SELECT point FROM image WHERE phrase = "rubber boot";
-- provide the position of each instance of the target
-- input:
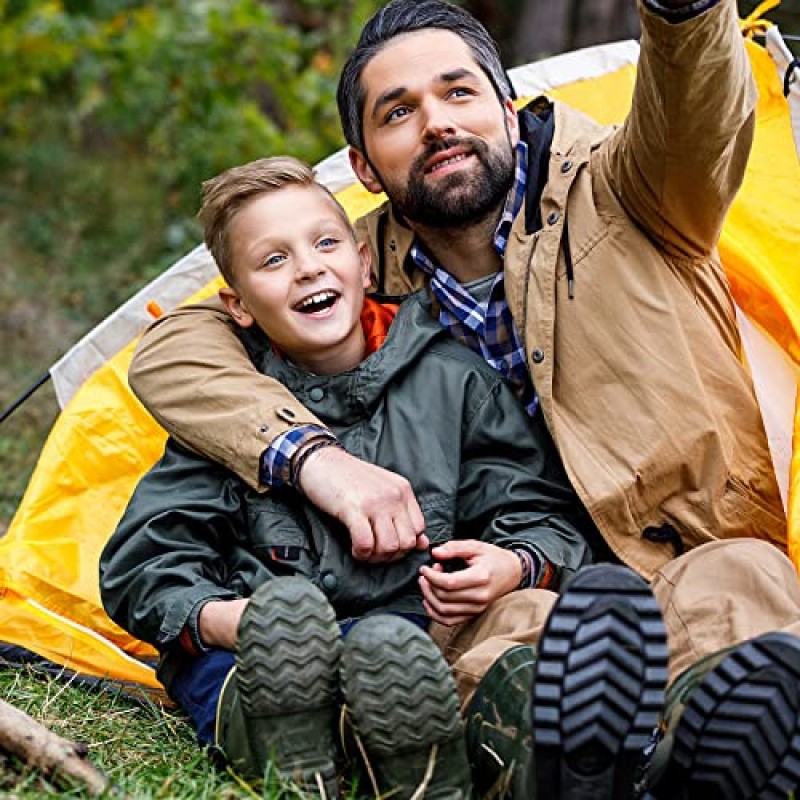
(280, 703)
(498, 728)
(732, 726)
(402, 704)
(598, 691)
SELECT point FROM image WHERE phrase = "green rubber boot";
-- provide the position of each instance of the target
(402, 703)
(498, 728)
(280, 704)
(732, 726)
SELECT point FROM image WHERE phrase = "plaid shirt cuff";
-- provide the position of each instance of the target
(679, 13)
(276, 460)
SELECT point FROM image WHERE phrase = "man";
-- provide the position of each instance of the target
(580, 262)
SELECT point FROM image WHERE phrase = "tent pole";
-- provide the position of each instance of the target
(24, 396)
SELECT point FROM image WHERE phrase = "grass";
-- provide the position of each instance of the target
(147, 751)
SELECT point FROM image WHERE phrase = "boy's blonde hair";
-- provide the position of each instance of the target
(226, 194)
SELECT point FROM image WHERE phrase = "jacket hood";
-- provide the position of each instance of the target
(349, 395)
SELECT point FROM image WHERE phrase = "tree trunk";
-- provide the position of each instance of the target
(40, 748)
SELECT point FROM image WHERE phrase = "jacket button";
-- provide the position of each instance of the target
(566, 167)
(553, 217)
(329, 581)
(316, 394)
(538, 356)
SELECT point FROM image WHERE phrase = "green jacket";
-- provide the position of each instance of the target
(422, 406)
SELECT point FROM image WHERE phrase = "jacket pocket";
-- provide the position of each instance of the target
(282, 541)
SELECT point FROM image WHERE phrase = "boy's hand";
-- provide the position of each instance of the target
(218, 622)
(454, 597)
(376, 506)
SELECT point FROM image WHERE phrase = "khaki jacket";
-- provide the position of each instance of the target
(639, 374)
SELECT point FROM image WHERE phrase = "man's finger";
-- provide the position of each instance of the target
(406, 533)
(362, 538)
(387, 545)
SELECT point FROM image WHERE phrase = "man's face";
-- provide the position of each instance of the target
(300, 276)
(437, 140)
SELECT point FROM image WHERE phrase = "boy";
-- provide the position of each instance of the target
(260, 676)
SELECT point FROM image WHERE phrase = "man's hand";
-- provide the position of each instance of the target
(454, 597)
(376, 506)
(218, 622)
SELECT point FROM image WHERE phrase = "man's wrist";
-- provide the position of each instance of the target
(679, 10)
(305, 452)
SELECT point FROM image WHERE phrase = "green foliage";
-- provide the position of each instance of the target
(191, 86)
(112, 113)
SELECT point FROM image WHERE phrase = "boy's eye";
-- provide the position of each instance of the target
(274, 260)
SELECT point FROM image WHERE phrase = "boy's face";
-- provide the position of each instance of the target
(300, 276)
(437, 139)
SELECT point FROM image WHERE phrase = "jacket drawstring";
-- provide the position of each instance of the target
(568, 260)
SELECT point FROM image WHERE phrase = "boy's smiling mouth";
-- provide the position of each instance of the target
(318, 302)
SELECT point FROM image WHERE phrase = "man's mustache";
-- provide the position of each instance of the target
(469, 143)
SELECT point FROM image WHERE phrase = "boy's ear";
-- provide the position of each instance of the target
(364, 172)
(236, 307)
(365, 254)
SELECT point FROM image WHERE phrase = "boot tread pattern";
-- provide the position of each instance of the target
(291, 662)
(398, 687)
(599, 686)
(739, 735)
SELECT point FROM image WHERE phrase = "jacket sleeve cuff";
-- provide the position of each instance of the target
(674, 12)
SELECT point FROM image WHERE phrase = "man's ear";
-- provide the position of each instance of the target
(364, 172)
(236, 307)
(512, 120)
(365, 254)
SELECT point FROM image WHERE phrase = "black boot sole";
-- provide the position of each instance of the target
(599, 686)
(739, 734)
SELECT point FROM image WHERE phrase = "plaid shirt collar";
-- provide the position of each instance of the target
(486, 326)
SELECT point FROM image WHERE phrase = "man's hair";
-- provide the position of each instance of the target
(226, 194)
(408, 16)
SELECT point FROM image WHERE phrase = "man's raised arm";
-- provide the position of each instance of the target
(192, 373)
(680, 157)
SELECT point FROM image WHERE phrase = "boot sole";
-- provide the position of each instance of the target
(599, 686)
(287, 669)
(739, 734)
(402, 701)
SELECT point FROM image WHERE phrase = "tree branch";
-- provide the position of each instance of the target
(38, 747)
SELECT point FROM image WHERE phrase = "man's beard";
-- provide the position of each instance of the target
(458, 199)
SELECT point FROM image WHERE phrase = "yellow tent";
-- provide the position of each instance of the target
(104, 441)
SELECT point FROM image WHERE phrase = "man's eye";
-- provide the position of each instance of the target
(397, 113)
(461, 91)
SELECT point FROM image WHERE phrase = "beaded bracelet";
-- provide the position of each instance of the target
(526, 562)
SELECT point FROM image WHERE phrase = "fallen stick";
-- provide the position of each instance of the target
(38, 747)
